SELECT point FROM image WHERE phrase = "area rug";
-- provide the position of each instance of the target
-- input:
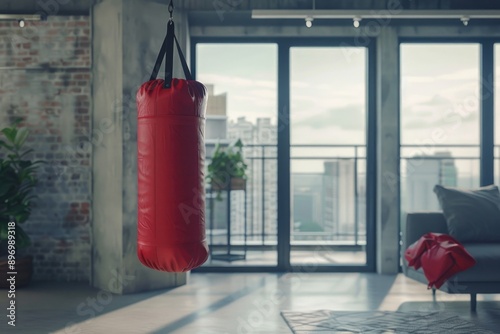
(379, 322)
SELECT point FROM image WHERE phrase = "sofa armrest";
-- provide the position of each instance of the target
(420, 223)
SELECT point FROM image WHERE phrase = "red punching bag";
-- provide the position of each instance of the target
(171, 156)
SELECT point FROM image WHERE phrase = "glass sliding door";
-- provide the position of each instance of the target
(327, 88)
(328, 126)
(242, 103)
(440, 114)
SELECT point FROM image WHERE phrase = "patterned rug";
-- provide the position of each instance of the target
(379, 322)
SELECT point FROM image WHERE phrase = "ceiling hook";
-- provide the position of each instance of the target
(171, 10)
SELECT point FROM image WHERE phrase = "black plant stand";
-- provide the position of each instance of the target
(229, 254)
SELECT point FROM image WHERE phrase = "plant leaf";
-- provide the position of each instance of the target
(26, 153)
(5, 187)
(10, 134)
(7, 146)
(21, 136)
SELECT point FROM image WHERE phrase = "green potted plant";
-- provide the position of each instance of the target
(227, 168)
(17, 181)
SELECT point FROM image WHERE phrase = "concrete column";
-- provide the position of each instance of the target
(127, 35)
(388, 211)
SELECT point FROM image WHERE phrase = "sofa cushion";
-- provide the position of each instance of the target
(471, 215)
(487, 268)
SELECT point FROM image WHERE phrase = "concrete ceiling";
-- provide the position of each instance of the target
(235, 5)
(49, 7)
(238, 12)
(65, 7)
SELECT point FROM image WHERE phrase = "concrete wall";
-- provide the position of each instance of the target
(107, 175)
(45, 79)
(388, 190)
(127, 37)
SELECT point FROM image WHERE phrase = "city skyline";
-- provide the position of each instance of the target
(318, 206)
(439, 94)
(439, 107)
(332, 195)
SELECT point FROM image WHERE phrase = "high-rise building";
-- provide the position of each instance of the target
(260, 152)
(423, 173)
(340, 206)
(216, 116)
(216, 132)
(307, 204)
(266, 171)
(420, 182)
(259, 140)
(448, 174)
(241, 129)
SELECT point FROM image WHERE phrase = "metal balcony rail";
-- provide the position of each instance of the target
(262, 187)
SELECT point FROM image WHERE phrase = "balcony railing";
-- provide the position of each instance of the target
(261, 206)
(454, 164)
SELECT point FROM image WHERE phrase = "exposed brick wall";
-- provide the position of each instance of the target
(45, 78)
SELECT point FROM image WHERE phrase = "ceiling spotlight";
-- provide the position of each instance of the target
(355, 22)
(21, 23)
(465, 20)
(309, 22)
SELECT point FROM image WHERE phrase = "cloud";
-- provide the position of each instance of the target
(349, 117)
(437, 111)
(416, 123)
(326, 135)
(451, 120)
(469, 74)
(436, 100)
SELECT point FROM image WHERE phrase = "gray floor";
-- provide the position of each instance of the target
(297, 257)
(227, 303)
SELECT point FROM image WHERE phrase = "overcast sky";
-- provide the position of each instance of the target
(439, 90)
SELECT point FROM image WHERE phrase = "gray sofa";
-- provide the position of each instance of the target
(484, 277)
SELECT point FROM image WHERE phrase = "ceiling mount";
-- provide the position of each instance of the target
(355, 21)
(20, 18)
(309, 21)
(357, 15)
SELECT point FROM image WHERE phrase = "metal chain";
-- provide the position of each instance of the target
(171, 9)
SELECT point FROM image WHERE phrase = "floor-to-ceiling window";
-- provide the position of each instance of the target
(324, 90)
(440, 120)
(242, 103)
(328, 122)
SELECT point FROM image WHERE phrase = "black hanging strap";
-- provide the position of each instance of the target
(167, 51)
(169, 54)
(185, 67)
